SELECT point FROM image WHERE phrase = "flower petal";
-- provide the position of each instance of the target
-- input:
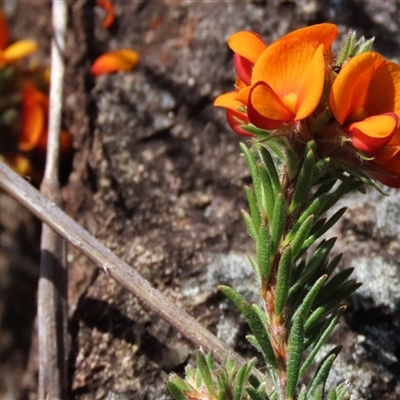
(228, 100)
(108, 7)
(295, 70)
(19, 50)
(118, 60)
(373, 133)
(321, 33)
(243, 68)
(349, 91)
(236, 119)
(247, 44)
(384, 90)
(265, 109)
(33, 113)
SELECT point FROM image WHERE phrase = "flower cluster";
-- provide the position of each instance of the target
(24, 107)
(296, 88)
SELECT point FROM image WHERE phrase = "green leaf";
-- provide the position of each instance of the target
(307, 303)
(323, 371)
(256, 325)
(316, 260)
(256, 269)
(292, 162)
(332, 395)
(250, 225)
(295, 349)
(256, 131)
(176, 390)
(210, 361)
(254, 212)
(328, 225)
(303, 393)
(343, 189)
(263, 250)
(333, 284)
(253, 172)
(314, 318)
(333, 264)
(278, 222)
(269, 164)
(256, 395)
(268, 194)
(300, 237)
(283, 280)
(205, 372)
(326, 331)
(241, 379)
(304, 178)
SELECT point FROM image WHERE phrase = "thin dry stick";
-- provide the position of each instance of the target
(52, 292)
(114, 266)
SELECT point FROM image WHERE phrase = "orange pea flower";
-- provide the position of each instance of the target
(365, 99)
(114, 61)
(15, 51)
(108, 7)
(34, 123)
(278, 84)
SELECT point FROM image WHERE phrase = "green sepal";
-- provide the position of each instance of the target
(263, 251)
(241, 379)
(256, 324)
(262, 133)
(323, 370)
(266, 158)
(205, 372)
(326, 331)
(300, 237)
(304, 178)
(295, 349)
(347, 48)
(308, 300)
(283, 280)
(177, 387)
(278, 223)
(333, 284)
(250, 225)
(254, 211)
(363, 45)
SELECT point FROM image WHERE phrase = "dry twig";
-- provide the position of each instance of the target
(52, 292)
(112, 265)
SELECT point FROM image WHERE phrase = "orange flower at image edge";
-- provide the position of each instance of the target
(15, 51)
(114, 61)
